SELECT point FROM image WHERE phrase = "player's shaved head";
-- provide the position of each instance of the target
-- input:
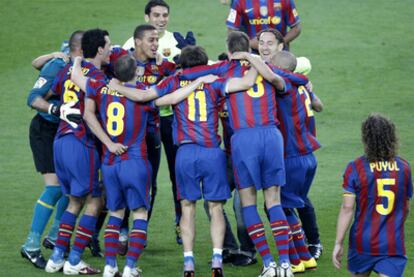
(192, 56)
(75, 41)
(238, 42)
(125, 68)
(285, 60)
(141, 29)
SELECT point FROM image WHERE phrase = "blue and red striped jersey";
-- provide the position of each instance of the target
(252, 16)
(195, 118)
(297, 121)
(116, 53)
(68, 91)
(382, 190)
(123, 120)
(149, 73)
(253, 108)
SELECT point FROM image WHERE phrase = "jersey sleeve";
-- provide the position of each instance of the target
(92, 88)
(167, 68)
(193, 73)
(410, 184)
(349, 180)
(219, 86)
(167, 85)
(295, 78)
(234, 19)
(291, 15)
(45, 80)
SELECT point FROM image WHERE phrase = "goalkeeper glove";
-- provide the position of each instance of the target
(65, 112)
(183, 42)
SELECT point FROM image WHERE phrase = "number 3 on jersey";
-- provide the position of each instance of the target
(385, 193)
(257, 90)
(71, 92)
(115, 123)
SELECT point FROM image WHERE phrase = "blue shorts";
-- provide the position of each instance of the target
(127, 184)
(257, 155)
(76, 166)
(300, 171)
(196, 164)
(392, 266)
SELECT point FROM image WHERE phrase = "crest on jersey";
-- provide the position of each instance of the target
(263, 11)
(40, 83)
(166, 52)
(154, 68)
(140, 70)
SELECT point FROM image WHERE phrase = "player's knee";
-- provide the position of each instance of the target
(140, 213)
(93, 206)
(215, 206)
(75, 204)
(118, 213)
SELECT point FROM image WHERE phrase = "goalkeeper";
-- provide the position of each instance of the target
(42, 132)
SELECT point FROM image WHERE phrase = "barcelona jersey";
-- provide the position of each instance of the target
(381, 189)
(123, 120)
(195, 118)
(297, 121)
(68, 91)
(253, 16)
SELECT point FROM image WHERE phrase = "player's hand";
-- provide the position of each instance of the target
(61, 55)
(207, 79)
(183, 42)
(309, 86)
(114, 84)
(240, 56)
(337, 255)
(158, 59)
(77, 61)
(65, 112)
(117, 148)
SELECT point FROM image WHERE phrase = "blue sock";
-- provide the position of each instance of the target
(280, 231)
(84, 232)
(67, 224)
(137, 241)
(42, 212)
(112, 239)
(255, 228)
(61, 206)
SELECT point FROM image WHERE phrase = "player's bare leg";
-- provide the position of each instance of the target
(366, 274)
(111, 242)
(187, 225)
(217, 231)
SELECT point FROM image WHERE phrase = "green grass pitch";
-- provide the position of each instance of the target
(362, 58)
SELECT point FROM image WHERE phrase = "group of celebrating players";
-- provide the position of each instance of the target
(107, 109)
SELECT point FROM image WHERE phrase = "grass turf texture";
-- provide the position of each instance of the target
(362, 62)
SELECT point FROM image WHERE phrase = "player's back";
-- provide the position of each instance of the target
(196, 117)
(381, 189)
(297, 121)
(123, 120)
(68, 91)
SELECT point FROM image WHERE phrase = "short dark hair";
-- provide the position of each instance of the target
(92, 40)
(140, 29)
(125, 68)
(285, 60)
(238, 42)
(75, 41)
(192, 56)
(379, 138)
(278, 35)
(154, 3)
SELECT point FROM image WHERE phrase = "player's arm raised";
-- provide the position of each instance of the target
(90, 118)
(134, 94)
(182, 93)
(40, 61)
(262, 68)
(344, 221)
(242, 84)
